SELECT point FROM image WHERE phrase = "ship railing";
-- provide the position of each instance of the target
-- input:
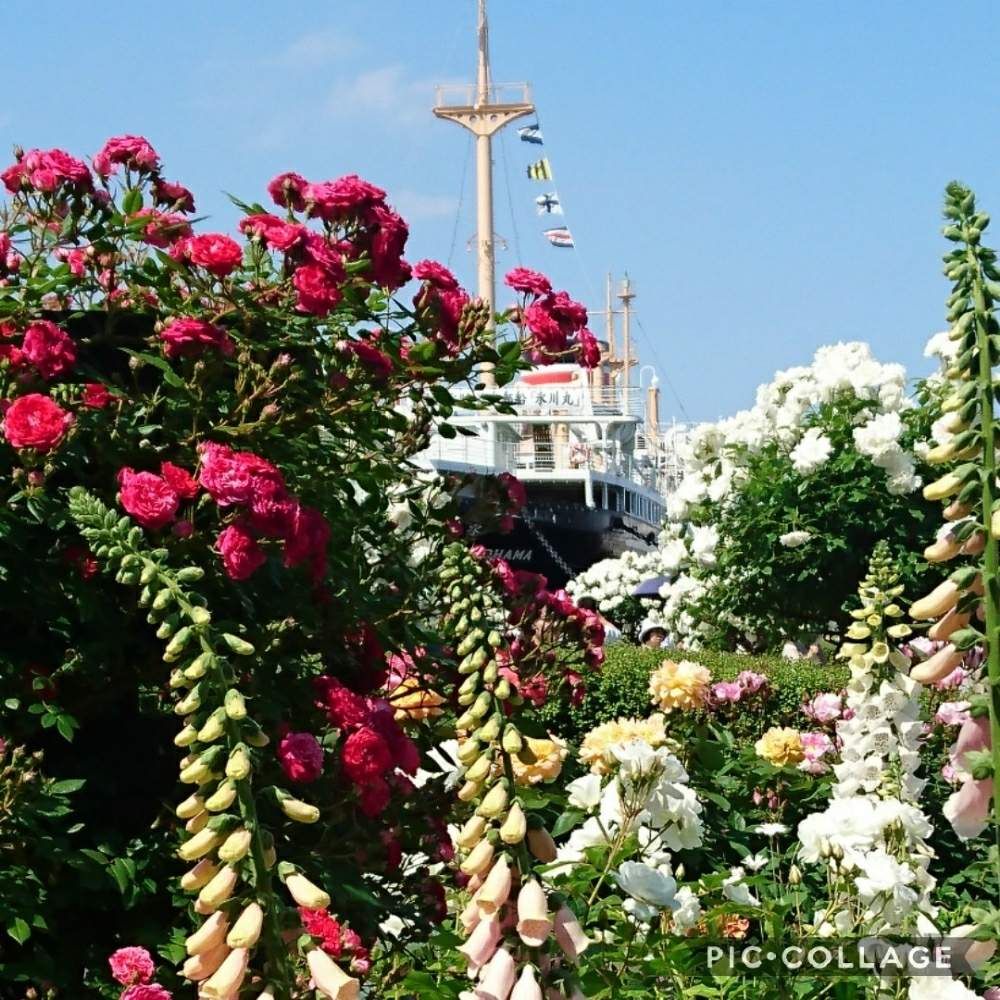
(557, 401)
(464, 95)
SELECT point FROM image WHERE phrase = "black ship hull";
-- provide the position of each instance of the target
(562, 540)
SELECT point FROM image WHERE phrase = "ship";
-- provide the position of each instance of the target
(587, 444)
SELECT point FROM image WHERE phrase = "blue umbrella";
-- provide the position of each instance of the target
(650, 587)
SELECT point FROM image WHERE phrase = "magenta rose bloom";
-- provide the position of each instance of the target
(286, 190)
(388, 241)
(36, 421)
(366, 756)
(96, 396)
(180, 480)
(307, 540)
(435, 274)
(523, 279)
(241, 553)
(590, 350)
(152, 991)
(133, 151)
(186, 336)
(517, 495)
(163, 228)
(341, 200)
(215, 252)
(301, 757)
(46, 170)
(276, 233)
(377, 362)
(148, 498)
(49, 348)
(317, 292)
(131, 966)
(173, 195)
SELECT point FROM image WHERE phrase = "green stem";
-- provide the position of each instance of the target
(991, 583)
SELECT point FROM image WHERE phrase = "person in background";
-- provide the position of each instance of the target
(652, 635)
(611, 632)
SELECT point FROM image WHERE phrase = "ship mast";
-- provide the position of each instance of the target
(483, 112)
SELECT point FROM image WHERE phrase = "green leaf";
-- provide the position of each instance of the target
(132, 201)
(169, 375)
(67, 785)
(19, 930)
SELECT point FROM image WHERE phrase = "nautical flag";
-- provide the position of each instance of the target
(548, 204)
(540, 171)
(531, 133)
(560, 237)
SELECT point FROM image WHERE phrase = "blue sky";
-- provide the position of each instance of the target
(769, 171)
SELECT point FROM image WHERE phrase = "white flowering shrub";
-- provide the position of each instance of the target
(779, 505)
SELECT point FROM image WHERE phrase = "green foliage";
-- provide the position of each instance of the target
(621, 688)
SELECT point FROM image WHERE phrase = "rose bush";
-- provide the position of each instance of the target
(209, 445)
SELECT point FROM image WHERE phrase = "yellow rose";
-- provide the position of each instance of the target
(549, 756)
(780, 746)
(593, 750)
(679, 685)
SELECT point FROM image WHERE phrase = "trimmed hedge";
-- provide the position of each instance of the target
(621, 688)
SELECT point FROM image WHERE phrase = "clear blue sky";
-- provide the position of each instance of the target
(769, 171)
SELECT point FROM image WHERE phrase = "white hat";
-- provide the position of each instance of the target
(647, 626)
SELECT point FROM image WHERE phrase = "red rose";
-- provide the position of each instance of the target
(435, 274)
(149, 498)
(50, 349)
(523, 279)
(45, 170)
(36, 421)
(340, 200)
(307, 540)
(376, 361)
(366, 756)
(173, 195)
(235, 477)
(346, 708)
(388, 241)
(286, 190)
(301, 757)
(276, 233)
(241, 553)
(164, 228)
(590, 350)
(181, 481)
(373, 798)
(318, 250)
(133, 151)
(317, 291)
(186, 336)
(517, 496)
(272, 510)
(215, 252)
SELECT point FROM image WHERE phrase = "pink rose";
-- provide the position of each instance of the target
(133, 151)
(276, 233)
(45, 170)
(750, 681)
(36, 421)
(241, 553)
(174, 196)
(185, 336)
(727, 691)
(317, 291)
(307, 540)
(235, 477)
(163, 228)
(180, 480)
(215, 252)
(130, 966)
(825, 707)
(301, 757)
(96, 396)
(340, 200)
(148, 498)
(376, 361)
(50, 349)
(286, 190)
(523, 279)
(388, 236)
(435, 274)
(154, 991)
(590, 350)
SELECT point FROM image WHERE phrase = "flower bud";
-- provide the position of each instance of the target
(526, 987)
(186, 737)
(235, 705)
(479, 859)
(942, 488)
(246, 930)
(514, 826)
(512, 741)
(480, 770)
(330, 979)
(196, 773)
(214, 727)
(236, 846)
(305, 893)
(495, 889)
(468, 791)
(219, 889)
(222, 798)
(199, 845)
(471, 833)
(255, 736)
(197, 822)
(569, 934)
(191, 806)
(190, 703)
(238, 765)
(226, 981)
(468, 751)
(794, 875)
(210, 935)
(239, 646)
(200, 875)
(198, 667)
(494, 802)
(490, 730)
(201, 966)
(541, 845)
(298, 810)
